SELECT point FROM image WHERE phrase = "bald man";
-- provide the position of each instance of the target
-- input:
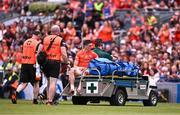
(55, 48)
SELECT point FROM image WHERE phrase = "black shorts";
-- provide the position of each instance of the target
(52, 69)
(28, 73)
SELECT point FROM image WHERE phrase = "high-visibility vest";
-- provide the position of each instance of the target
(54, 53)
(151, 20)
(29, 51)
(15, 84)
(98, 6)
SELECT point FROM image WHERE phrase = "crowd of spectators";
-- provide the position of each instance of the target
(153, 4)
(21, 6)
(15, 6)
(137, 38)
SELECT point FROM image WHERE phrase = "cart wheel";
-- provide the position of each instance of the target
(152, 101)
(119, 99)
(79, 100)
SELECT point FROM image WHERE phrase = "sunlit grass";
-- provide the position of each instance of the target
(67, 108)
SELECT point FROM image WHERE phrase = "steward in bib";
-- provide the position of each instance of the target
(31, 48)
(56, 54)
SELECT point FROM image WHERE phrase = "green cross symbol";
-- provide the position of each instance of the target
(92, 88)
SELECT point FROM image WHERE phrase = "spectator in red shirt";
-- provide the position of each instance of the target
(106, 32)
(6, 6)
(177, 33)
(134, 32)
(69, 32)
(164, 34)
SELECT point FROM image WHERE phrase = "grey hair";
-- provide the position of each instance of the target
(55, 28)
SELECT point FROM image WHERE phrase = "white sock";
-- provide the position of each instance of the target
(21, 87)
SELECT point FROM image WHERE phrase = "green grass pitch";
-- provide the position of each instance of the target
(67, 108)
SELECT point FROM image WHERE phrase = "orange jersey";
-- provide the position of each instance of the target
(74, 4)
(165, 36)
(18, 56)
(15, 84)
(29, 51)
(177, 36)
(134, 30)
(4, 56)
(106, 34)
(5, 48)
(85, 57)
(54, 53)
(70, 35)
(116, 3)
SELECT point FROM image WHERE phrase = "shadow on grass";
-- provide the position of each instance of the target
(104, 104)
(114, 106)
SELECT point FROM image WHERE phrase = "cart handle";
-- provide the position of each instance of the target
(99, 74)
(121, 71)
